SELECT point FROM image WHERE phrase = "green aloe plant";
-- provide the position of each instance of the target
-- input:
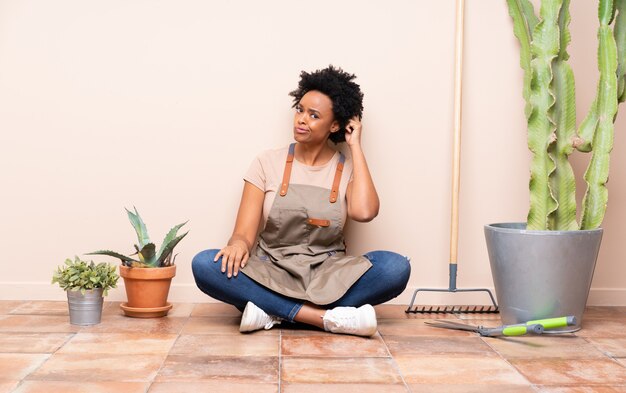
(147, 256)
(549, 92)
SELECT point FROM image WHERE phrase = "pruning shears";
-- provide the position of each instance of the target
(520, 329)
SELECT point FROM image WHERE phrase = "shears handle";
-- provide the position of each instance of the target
(553, 323)
(512, 330)
(530, 327)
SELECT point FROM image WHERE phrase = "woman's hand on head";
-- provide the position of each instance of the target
(353, 131)
(234, 257)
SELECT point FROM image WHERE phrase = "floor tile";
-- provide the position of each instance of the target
(302, 331)
(333, 346)
(581, 389)
(8, 386)
(226, 345)
(395, 311)
(466, 369)
(614, 347)
(32, 342)
(112, 309)
(207, 325)
(83, 387)
(343, 388)
(221, 326)
(603, 312)
(339, 370)
(250, 369)
(41, 307)
(98, 367)
(37, 324)
(426, 345)
(181, 310)
(6, 306)
(484, 320)
(215, 310)
(18, 365)
(466, 388)
(120, 343)
(123, 324)
(606, 328)
(571, 372)
(213, 386)
(467, 317)
(198, 347)
(564, 346)
(398, 311)
(416, 327)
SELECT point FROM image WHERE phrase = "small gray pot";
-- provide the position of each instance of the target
(85, 309)
(541, 274)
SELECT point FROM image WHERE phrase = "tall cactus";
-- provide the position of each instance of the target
(549, 91)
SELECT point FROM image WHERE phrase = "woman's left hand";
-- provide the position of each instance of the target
(353, 132)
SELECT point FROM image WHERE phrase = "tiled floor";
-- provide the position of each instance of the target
(198, 348)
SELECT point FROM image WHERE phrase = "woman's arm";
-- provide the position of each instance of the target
(361, 195)
(237, 252)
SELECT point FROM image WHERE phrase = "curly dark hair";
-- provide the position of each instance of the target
(337, 84)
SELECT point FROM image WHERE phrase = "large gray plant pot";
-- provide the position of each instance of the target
(541, 274)
(85, 309)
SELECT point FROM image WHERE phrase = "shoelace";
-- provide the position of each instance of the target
(272, 321)
(347, 322)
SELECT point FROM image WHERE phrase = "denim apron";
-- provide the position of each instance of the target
(301, 251)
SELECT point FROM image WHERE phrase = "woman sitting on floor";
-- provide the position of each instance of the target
(297, 269)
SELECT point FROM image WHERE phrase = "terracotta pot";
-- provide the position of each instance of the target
(147, 290)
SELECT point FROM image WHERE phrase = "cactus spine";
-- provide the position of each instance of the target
(549, 91)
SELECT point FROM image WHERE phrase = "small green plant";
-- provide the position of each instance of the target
(147, 256)
(81, 275)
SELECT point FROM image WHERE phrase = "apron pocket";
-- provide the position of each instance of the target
(293, 228)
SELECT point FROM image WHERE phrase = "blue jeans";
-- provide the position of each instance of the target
(386, 279)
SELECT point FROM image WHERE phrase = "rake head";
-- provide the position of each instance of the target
(491, 309)
(453, 310)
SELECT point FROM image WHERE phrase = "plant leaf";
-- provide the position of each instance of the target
(147, 255)
(114, 254)
(597, 173)
(524, 21)
(169, 248)
(169, 237)
(140, 227)
(619, 32)
(541, 126)
(562, 179)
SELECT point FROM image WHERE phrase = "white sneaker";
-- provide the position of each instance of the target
(254, 318)
(351, 320)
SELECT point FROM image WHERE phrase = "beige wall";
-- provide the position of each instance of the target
(163, 104)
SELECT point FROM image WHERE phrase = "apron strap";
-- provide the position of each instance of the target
(335, 190)
(287, 173)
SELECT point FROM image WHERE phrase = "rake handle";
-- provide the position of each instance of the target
(456, 160)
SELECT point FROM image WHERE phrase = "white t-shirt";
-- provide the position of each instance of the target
(266, 173)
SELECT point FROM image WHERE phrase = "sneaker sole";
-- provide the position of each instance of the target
(374, 328)
(245, 328)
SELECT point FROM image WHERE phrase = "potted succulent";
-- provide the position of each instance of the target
(147, 273)
(544, 267)
(85, 284)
